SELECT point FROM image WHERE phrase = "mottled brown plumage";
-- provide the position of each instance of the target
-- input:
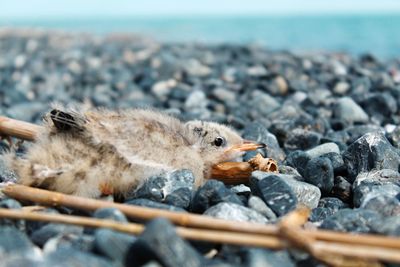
(101, 152)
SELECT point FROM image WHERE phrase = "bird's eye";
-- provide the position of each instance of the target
(219, 141)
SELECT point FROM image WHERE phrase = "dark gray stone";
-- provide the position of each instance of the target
(212, 193)
(306, 194)
(388, 226)
(382, 182)
(342, 189)
(32, 226)
(259, 205)
(384, 205)
(371, 151)
(179, 198)
(319, 172)
(348, 110)
(319, 214)
(13, 241)
(42, 235)
(323, 149)
(157, 188)
(352, 220)
(113, 245)
(67, 257)
(235, 212)
(275, 192)
(302, 139)
(10, 203)
(159, 242)
(394, 137)
(152, 204)
(152, 189)
(298, 159)
(380, 105)
(110, 214)
(256, 257)
(332, 203)
(6, 175)
(257, 132)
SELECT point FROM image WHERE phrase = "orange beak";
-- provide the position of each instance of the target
(247, 146)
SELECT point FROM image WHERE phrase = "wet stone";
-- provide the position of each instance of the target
(212, 193)
(235, 212)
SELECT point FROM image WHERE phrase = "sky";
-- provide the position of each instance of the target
(93, 8)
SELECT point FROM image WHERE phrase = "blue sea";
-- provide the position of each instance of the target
(356, 34)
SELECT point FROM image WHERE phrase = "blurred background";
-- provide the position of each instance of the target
(356, 26)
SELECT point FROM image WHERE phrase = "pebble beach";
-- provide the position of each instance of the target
(329, 119)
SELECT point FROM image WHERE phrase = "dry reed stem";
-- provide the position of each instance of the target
(20, 129)
(48, 198)
(290, 229)
(213, 236)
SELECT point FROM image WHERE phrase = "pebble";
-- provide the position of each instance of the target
(349, 111)
(274, 191)
(352, 220)
(319, 172)
(212, 193)
(160, 242)
(258, 205)
(309, 109)
(379, 182)
(371, 151)
(235, 212)
(113, 245)
(257, 132)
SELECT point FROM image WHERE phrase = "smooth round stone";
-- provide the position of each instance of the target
(349, 111)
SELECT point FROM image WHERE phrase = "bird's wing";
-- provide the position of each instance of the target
(135, 135)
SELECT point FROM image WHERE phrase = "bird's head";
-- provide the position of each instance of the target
(218, 143)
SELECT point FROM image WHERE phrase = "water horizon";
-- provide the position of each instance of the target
(356, 34)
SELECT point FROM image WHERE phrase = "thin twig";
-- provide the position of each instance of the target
(20, 129)
(49, 198)
(213, 236)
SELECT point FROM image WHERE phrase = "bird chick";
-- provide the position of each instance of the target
(103, 152)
